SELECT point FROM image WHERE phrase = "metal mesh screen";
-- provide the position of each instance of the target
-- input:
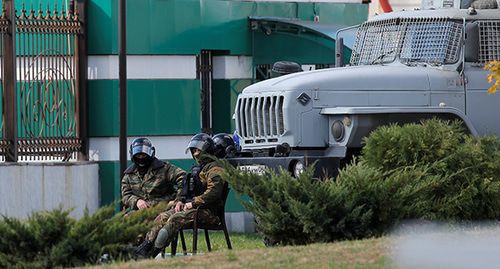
(430, 40)
(489, 41)
(376, 41)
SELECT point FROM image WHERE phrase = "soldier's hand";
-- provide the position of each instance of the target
(188, 206)
(178, 207)
(141, 204)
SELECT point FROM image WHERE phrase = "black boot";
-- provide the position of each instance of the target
(143, 250)
(155, 252)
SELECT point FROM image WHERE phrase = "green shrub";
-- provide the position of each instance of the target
(54, 239)
(474, 180)
(367, 199)
(315, 207)
(431, 171)
(461, 172)
(268, 203)
(393, 146)
(301, 210)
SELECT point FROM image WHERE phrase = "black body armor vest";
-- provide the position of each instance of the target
(191, 184)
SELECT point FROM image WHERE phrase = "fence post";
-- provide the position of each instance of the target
(81, 54)
(9, 82)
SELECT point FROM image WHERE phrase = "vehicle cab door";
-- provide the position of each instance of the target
(482, 45)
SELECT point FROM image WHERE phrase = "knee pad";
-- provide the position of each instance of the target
(161, 239)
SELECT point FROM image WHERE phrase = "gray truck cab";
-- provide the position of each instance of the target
(405, 66)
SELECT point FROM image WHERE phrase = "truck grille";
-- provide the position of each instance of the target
(489, 41)
(260, 119)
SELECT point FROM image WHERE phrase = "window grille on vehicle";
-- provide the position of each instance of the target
(376, 41)
(429, 40)
(260, 119)
(489, 41)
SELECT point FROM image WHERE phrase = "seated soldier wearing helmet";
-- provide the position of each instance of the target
(148, 180)
(203, 187)
(224, 146)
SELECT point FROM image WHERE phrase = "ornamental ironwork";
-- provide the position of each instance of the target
(48, 59)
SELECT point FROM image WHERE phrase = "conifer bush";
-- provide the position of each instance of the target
(460, 173)
(428, 171)
(291, 211)
(394, 146)
(54, 239)
(268, 202)
(315, 208)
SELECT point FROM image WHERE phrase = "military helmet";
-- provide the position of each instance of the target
(141, 145)
(203, 142)
(224, 145)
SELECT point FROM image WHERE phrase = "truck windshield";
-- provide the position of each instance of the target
(430, 40)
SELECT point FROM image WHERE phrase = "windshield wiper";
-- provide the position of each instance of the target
(416, 61)
(382, 56)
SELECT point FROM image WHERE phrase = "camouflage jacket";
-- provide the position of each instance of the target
(213, 185)
(161, 182)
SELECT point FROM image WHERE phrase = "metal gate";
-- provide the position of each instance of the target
(43, 82)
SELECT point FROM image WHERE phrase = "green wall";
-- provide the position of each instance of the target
(225, 93)
(301, 48)
(187, 26)
(155, 107)
(161, 107)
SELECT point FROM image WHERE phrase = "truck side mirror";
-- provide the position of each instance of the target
(471, 42)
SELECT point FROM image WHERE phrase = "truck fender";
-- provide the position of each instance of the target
(349, 125)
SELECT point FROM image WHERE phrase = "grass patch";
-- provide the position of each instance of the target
(218, 241)
(249, 252)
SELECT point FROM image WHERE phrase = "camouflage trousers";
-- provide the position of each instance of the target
(168, 224)
(130, 212)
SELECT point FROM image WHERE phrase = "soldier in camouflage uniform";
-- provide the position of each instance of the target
(148, 180)
(202, 188)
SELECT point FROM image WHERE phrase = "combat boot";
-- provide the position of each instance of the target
(155, 252)
(143, 250)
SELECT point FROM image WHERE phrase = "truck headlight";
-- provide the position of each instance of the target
(298, 168)
(338, 130)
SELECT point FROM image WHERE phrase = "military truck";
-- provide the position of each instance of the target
(405, 66)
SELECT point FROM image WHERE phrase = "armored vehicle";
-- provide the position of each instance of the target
(405, 66)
